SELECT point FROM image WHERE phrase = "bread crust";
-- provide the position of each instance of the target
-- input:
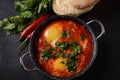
(81, 4)
(68, 7)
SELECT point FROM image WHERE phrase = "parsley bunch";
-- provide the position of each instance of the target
(27, 12)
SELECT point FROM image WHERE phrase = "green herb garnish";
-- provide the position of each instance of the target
(46, 54)
(61, 45)
(47, 44)
(66, 55)
(65, 34)
(76, 50)
(52, 49)
(71, 64)
(73, 43)
(82, 37)
(58, 54)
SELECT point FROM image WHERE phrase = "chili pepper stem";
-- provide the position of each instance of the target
(20, 39)
(26, 40)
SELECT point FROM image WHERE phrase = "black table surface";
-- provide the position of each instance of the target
(106, 65)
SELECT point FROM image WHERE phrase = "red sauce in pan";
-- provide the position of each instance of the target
(63, 31)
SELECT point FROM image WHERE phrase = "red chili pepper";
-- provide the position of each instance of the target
(30, 35)
(32, 26)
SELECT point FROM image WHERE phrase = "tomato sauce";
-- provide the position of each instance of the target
(77, 33)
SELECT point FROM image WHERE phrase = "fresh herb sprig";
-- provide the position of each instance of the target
(27, 12)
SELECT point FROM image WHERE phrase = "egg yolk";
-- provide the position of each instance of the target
(59, 64)
(52, 33)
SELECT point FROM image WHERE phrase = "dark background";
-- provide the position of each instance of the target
(106, 65)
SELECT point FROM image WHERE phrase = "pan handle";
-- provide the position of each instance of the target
(21, 60)
(101, 26)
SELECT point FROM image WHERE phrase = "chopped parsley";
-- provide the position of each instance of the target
(45, 54)
(76, 50)
(73, 43)
(58, 54)
(65, 34)
(71, 64)
(66, 55)
(82, 37)
(52, 49)
(47, 44)
(61, 45)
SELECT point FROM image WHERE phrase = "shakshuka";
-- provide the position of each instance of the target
(64, 48)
